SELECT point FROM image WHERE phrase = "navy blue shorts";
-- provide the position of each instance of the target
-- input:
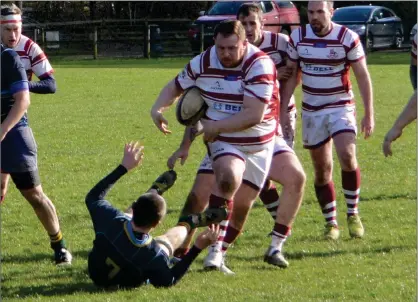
(19, 151)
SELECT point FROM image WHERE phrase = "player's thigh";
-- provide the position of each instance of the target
(28, 183)
(19, 159)
(343, 127)
(19, 151)
(315, 130)
(165, 245)
(228, 162)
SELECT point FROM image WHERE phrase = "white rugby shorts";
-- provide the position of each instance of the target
(319, 127)
(251, 172)
(281, 146)
(257, 164)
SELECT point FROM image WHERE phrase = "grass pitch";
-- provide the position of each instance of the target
(101, 104)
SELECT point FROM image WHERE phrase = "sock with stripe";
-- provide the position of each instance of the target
(217, 202)
(327, 200)
(278, 237)
(230, 235)
(351, 187)
(270, 198)
(57, 241)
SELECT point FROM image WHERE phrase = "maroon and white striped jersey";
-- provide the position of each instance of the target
(325, 64)
(33, 58)
(414, 47)
(275, 45)
(224, 89)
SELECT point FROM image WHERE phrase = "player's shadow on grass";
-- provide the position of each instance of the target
(27, 258)
(324, 254)
(54, 289)
(80, 284)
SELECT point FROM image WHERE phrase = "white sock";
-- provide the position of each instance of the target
(276, 243)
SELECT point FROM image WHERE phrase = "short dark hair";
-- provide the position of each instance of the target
(148, 210)
(250, 7)
(10, 9)
(230, 27)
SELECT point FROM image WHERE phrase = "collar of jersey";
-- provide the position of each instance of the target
(135, 241)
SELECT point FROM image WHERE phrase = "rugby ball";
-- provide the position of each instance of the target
(191, 107)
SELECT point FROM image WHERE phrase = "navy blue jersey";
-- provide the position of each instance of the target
(121, 256)
(13, 80)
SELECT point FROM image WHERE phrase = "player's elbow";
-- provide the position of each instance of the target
(89, 197)
(254, 117)
(52, 85)
(48, 85)
(258, 119)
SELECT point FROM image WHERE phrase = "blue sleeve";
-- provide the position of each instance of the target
(101, 211)
(19, 86)
(15, 71)
(163, 276)
(44, 86)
